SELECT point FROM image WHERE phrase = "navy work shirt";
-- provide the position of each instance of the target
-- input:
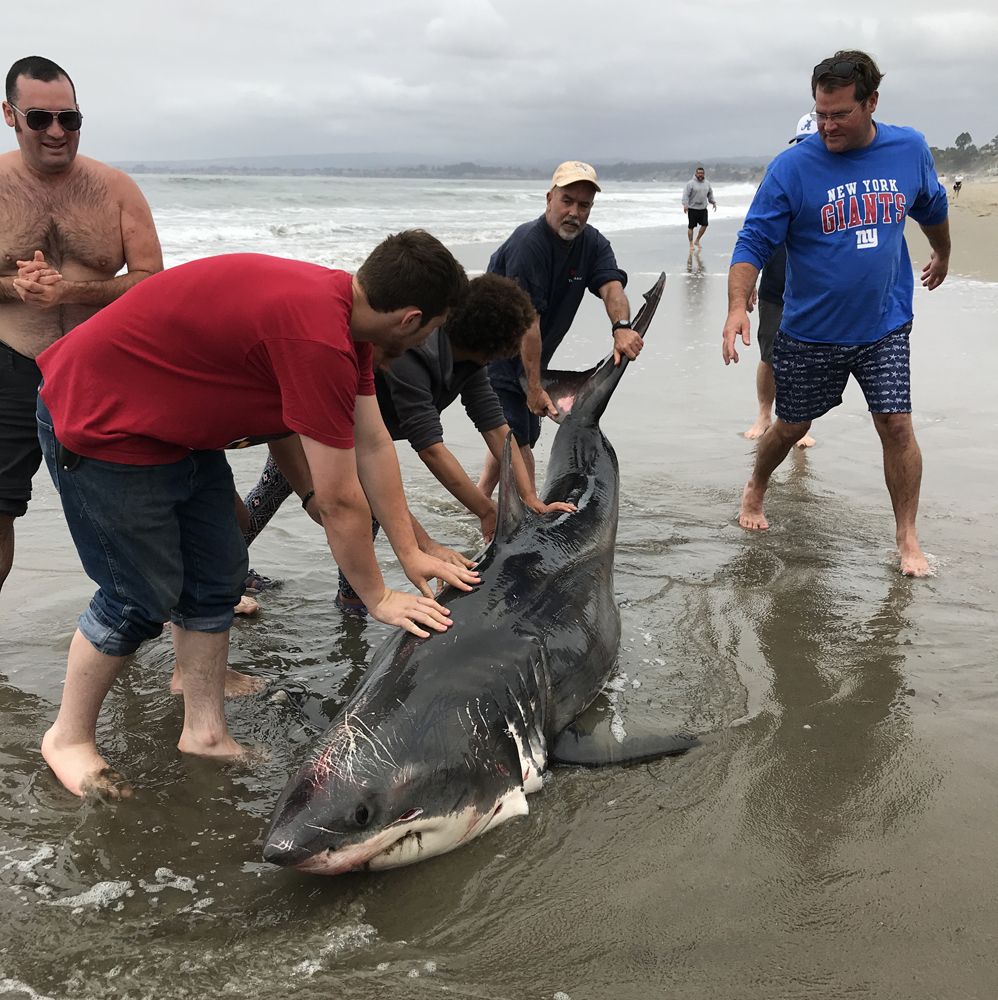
(555, 273)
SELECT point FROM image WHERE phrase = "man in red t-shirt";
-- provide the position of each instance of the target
(134, 410)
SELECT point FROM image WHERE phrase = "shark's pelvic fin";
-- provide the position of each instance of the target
(590, 741)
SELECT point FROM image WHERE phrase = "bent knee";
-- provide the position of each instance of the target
(789, 432)
(895, 427)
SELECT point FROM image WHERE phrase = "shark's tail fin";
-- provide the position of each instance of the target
(591, 390)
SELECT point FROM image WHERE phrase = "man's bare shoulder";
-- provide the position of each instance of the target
(10, 163)
(117, 180)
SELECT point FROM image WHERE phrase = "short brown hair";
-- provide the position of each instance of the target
(412, 268)
(492, 319)
(847, 66)
(35, 68)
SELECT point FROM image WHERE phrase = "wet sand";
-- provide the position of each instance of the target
(832, 837)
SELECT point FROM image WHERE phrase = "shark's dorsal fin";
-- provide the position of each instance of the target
(512, 510)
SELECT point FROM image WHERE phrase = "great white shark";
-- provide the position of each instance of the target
(445, 737)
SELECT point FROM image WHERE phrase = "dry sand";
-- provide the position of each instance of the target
(973, 228)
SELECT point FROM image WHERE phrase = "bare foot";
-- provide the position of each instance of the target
(757, 429)
(83, 771)
(246, 606)
(805, 442)
(750, 515)
(224, 748)
(913, 561)
(237, 685)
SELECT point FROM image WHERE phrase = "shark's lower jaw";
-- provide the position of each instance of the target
(424, 838)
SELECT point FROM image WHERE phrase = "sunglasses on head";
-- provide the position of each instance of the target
(836, 67)
(38, 120)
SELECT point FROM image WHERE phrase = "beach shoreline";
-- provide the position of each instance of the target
(973, 218)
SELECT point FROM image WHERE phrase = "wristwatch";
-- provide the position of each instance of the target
(621, 324)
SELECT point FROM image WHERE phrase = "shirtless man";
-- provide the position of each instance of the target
(68, 225)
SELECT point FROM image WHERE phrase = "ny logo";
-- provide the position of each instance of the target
(866, 238)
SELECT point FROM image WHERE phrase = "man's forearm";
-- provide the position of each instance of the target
(449, 472)
(741, 281)
(381, 478)
(100, 293)
(530, 355)
(8, 293)
(938, 237)
(615, 302)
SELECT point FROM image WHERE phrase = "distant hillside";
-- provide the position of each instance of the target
(366, 165)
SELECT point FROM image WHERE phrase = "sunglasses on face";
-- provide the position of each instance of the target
(38, 120)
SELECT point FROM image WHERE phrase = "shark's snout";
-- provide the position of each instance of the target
(285, 853)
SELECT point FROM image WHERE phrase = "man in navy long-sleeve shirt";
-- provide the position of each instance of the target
(839, 202)
(554, 259)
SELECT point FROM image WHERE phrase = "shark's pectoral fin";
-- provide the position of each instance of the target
(594, 740)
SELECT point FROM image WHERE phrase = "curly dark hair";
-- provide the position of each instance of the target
(846, 67)
(492, 320)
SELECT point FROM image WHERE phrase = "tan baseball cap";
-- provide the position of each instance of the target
(572, 171)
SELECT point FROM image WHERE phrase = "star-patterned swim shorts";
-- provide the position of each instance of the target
(810, 378)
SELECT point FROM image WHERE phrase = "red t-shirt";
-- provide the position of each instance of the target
(206, 354)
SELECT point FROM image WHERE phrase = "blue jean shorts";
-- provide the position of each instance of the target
(526, 426)
(160, 541)
(810, 378)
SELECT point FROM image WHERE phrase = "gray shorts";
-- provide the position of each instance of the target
(770, 315)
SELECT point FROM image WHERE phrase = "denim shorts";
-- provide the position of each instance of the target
(526, 426)
(810, 378)
(160, 541)
(20, 455)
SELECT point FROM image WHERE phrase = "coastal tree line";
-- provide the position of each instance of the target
(964, 157)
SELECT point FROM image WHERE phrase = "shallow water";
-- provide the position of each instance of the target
(831, 837)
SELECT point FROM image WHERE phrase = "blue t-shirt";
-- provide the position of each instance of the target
(555, 273)
(849, 276)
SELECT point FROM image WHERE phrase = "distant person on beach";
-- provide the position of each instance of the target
(697, 195)
(770, 300)
(416, 388)
(957, 184)
(68, 225)
(554, 259)
(133, 413)
(840, 206)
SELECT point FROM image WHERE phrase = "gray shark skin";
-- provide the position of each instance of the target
(446, 736)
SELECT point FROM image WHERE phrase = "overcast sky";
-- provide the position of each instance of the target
(497, 81)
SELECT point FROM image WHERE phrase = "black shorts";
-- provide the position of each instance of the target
(526, 427)
(20, 453)
(696, 216)
(770, 314)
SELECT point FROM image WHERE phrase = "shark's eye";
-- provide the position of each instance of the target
(361, 815)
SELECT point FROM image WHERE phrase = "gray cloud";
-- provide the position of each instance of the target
(508, 82)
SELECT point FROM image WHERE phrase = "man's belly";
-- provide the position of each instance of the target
(29, 331)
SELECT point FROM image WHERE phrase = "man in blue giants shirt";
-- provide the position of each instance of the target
(839, 202)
